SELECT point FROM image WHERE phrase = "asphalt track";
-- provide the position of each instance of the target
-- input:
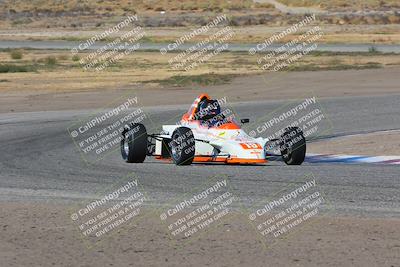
(39, 162)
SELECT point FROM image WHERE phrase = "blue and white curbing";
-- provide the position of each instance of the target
(339, 158)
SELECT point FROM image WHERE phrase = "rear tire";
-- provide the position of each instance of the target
(134, 143)
(293, 146)
(182, 146)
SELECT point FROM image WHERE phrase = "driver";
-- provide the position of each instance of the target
(209, 112)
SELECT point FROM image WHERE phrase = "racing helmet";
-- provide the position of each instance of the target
(208, 109)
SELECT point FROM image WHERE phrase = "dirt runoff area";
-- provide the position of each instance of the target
(43, 235)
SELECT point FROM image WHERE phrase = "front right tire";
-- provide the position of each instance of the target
(293, 146)
(182, 146)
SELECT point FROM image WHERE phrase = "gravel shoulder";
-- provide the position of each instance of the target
(373, 144)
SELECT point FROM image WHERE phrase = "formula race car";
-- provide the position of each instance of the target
(208, 134)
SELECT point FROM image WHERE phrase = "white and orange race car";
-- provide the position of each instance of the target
(208, 134)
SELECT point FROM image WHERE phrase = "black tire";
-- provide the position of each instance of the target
(182, 146)
(293, 146)
(134, 143)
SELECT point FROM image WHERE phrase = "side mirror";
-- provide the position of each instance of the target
(243, 121)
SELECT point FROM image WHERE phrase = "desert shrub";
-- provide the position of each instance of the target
(50, 61)
(16, 54)
(9, 68)
(75, 58)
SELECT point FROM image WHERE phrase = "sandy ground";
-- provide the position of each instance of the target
(43, 235)
(373, 144)
(373, 34)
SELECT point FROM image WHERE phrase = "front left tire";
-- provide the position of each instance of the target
(134, 143)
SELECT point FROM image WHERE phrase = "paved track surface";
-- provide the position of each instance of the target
(39, 162)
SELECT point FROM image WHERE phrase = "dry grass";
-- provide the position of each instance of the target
(372, 34)
(66, 74)
(123, 6)
(131, 6)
